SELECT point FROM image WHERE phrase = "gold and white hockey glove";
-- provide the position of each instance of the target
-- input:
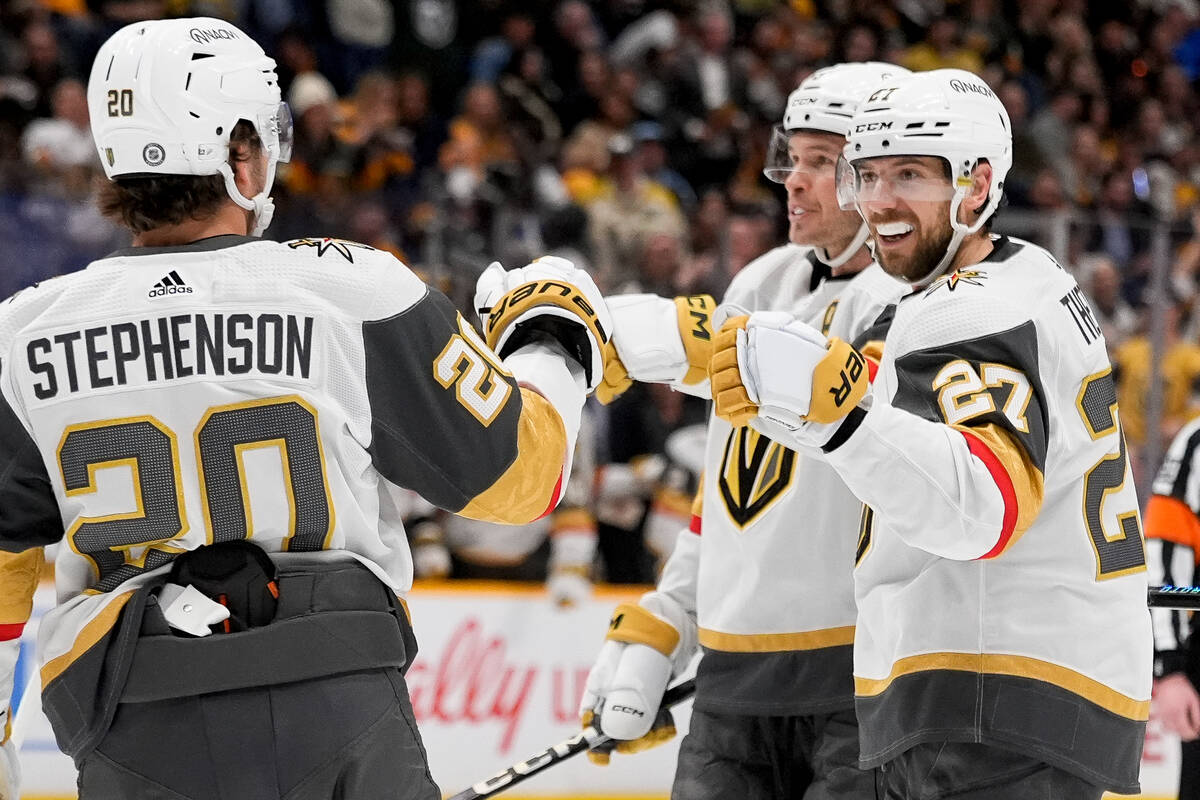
(623, 694)
(549, 298)
(770, 367)
(659, 340)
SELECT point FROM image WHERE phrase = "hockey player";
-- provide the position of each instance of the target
(1003, 643)
(1172, 545)
(760, 582)
(558, 549)
(216, 427)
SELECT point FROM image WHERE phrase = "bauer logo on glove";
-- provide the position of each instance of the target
(530, 294)
(772, 366)
(549, 298)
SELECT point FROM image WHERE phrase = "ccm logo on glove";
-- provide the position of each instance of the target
(627, 710)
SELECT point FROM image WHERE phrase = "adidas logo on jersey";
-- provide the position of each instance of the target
(170, 284)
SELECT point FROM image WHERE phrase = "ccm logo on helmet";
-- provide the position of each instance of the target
(628, 710)
(970, 88)
(867, 127)
(204, 36)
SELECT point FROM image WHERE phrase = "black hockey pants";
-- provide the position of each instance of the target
(312, 706)
(965, 771)
(813, 757)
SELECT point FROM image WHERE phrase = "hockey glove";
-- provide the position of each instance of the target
(550, 298)
(625, 687)
(572, 550)
(658, 340)
(772, 368)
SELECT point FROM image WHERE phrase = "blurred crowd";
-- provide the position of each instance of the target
(629, 136)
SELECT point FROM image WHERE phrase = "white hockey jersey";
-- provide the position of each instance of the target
(236, 388)
(1001, 579)
(767, 565)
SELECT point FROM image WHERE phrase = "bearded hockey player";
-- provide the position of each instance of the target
(1003, 644)
(760, 582)
(216, 428)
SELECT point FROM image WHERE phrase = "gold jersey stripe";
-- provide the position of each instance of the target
(776, 642)
(1027, 480)
(18, 581)
(93, 632)
(1018, 666)
(523, 493)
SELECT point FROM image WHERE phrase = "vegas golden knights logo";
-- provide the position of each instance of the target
(755, 472)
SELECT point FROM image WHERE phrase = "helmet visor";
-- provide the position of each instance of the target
(788, 153)
(276, 131)
(906, 178)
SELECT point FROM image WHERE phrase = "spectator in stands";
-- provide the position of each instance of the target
(479, 135)
(45, 64)
(942, 49)
(64, 140)
(630, 207)
(419, 120)
(654, 160)
(1102, 282)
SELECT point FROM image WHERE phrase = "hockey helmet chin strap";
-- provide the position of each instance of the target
(261, 204)
(860, 238)
(960, 232)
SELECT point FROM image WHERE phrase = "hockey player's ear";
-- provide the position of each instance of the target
(249, 161)
(977, 196)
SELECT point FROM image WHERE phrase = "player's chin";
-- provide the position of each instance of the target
(805, 229)
(896, 264)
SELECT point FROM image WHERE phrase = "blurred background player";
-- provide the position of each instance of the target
(558, 550)
(994, 469)
(760, 582)
(1172, 545)
(228, 421)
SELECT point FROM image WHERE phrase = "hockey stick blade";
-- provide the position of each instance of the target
(1183, 597)
(556, 753)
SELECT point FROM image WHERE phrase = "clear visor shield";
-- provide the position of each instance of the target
(787, 153)
(891, 178)
(276, 131)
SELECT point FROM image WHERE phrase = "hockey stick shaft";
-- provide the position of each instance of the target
(1183, 597)
(557, 753)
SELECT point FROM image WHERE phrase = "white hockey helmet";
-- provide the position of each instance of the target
(165, 95)
(948, 113)
(826, 101)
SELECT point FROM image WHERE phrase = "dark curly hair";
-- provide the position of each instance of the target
(152, 201)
